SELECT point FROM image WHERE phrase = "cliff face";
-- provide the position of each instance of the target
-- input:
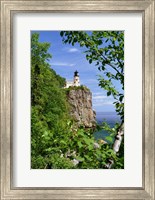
(80, 100)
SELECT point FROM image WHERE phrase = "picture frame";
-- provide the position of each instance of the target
(8, 9)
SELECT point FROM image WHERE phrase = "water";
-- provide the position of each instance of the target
(110, 117)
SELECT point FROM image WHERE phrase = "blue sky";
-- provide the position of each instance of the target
(67, 58)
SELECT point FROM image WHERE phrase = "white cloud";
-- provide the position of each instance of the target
(71, 50)
(99, 97)
(101, 103)
(62, 64)
(97, 93)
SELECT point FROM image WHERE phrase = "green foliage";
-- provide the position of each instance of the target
(112, 131)
(81, 87)
(48, 99)
(39, 51)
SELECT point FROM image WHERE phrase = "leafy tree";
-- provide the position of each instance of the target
(106, 50)
(48, 99)
(39, 51)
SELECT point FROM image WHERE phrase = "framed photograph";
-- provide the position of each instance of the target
(77, 100)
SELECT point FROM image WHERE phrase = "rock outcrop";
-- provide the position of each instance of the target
(80, 100)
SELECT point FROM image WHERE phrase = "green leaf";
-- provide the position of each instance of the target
(108, 93)
(90, 61)
(88, 157)
(61, 33)
(74, 40)
(80, 144)
(121, 98)
(80, 158)
(110, 139)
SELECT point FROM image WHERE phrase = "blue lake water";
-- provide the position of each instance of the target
(110, 117)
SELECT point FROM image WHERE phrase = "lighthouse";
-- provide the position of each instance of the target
(76, 78)
(74, 82)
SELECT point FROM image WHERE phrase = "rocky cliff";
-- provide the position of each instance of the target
(80, 100)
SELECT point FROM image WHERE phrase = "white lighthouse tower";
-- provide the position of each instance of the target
(75, 82)
(76, 78)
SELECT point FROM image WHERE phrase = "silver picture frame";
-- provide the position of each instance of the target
(8, 9)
